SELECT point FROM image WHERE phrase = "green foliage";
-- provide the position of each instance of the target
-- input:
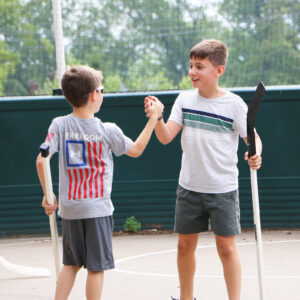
(48, 86)
(132, 225)
(112, 83)
(268, 47)
(26, 27)
(185, 83)
(144, 44)
(71, 60)
(147, 82)
(13, 87)
(142, 77)
(8, 61)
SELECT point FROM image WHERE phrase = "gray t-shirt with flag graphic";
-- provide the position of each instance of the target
(85, 148)
(209, 140)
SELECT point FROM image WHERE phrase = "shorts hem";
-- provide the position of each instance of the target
(101, 269)
(191, 231)
(227, 234)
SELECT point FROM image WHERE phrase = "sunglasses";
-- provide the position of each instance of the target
(100, 89)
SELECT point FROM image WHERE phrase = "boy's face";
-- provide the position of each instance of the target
(203, 73)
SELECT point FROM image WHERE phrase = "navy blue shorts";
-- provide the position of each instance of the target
(88, 243)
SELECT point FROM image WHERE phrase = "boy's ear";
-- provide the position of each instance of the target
(92, 96)
(220, 70)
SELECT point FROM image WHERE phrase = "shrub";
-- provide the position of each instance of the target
(132, 225)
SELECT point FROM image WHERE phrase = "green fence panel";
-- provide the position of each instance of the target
(145, 186)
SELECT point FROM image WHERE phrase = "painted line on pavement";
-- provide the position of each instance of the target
(125, 259)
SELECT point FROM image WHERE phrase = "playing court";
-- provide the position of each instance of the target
(146, 268)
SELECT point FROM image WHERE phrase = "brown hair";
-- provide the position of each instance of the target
(215, 50)
(78, 82)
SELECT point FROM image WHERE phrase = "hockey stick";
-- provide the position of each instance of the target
(22, 270)
(44, 148)
(252, 111)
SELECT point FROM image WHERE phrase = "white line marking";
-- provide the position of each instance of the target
(119, 261)
(27, 242)
(205, 276)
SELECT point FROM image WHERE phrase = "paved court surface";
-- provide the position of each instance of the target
(146, 268)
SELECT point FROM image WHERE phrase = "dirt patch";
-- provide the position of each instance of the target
(142, 232)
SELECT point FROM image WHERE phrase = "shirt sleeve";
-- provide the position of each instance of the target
(176, 112)
(52, 138)
(120, 143)
(241, 118)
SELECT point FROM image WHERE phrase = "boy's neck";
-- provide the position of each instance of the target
(83, 113)
(212, 92)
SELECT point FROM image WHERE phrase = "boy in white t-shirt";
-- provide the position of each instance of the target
(211, 120)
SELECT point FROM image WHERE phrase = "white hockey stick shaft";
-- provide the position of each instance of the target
(257, 228)
(52, 217)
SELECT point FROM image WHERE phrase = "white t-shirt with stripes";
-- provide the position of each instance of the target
(85, 148)
(209, 140)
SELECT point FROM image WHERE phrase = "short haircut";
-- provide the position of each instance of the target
(215, 50)
(78, 82)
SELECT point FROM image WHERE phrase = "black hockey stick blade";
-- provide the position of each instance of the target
(57, 92)
(251, 115)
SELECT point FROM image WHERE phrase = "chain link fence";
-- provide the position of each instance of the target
(143, 45)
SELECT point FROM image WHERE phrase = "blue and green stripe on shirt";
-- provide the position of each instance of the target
(206, 121)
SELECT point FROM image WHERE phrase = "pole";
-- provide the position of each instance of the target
(59, 40)
(251, 115)
(44, 148)
(257, 229)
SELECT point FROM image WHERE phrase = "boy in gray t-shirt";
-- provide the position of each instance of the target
(85, 146)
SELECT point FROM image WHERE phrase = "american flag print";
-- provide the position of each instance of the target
(86, 169)
(49, 137)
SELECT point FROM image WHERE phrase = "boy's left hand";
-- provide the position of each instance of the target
(254, 161)
(49, 208)
(153, 107)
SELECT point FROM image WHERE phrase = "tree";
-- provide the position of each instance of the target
(28, 33)
(265, 42)
(112, 83)
(8, 60)
(144, 44)
(185, 83)
(115, 36)
(142, 77)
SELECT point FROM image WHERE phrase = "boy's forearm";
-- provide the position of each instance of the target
(40, 172)
(162, 132)
(143, 139)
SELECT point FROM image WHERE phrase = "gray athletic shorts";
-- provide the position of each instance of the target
(88, 243)
(194, 211)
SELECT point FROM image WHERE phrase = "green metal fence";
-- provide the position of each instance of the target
(145, 186)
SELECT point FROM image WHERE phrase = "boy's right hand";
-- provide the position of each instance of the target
(49, 208)
(153, 107)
